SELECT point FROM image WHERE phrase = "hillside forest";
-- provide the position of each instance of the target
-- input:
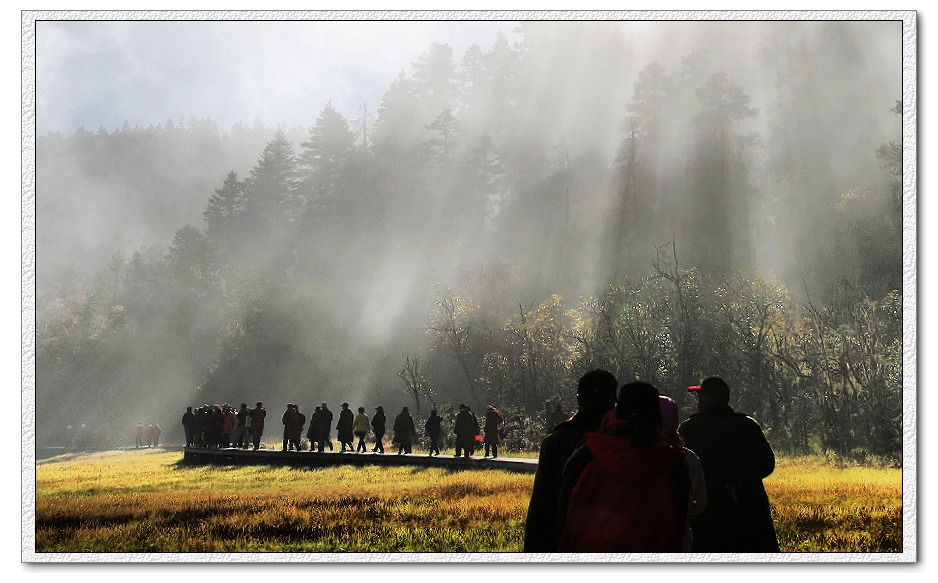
(501, 222)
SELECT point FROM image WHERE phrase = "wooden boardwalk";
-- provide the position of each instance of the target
(310, 459)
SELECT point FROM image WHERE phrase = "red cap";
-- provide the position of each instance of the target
(693, 388)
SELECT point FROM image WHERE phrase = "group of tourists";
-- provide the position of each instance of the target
(622, 475)
(223, 426)
(219, 426)
(147, 436)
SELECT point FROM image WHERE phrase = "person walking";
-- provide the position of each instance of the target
(595, 397)
(314, 433)
(296, 432)
(360, 428)
(379, 425)
(493, 422)
(465, 431)
(155, 432)
(326, 427)
(345, 427)
(237, 437)
(404, 431)
(433, 428)
(188, 425)
(289, 424)
(228, 424)
(736, 457)
(257, 424)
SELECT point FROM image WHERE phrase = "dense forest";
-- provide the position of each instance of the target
(503, 221)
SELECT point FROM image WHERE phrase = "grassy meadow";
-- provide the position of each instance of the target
(147, 501)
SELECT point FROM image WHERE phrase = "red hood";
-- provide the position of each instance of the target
(621, 455)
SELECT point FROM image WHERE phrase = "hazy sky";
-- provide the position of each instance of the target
(94, 73)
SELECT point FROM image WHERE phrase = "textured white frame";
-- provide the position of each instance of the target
(911, 399)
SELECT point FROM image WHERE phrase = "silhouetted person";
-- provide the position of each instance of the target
(326, 427)
(625, 490)
(155, 431)
(556, 417)
(465, 431)
(595, 396)
(736, 456)
(296, 433)
(698, 485)
(314, 433)
(257, 424)
(188, 425)
(287, 418)
(216, 422)
(292, 426)
(248, 427)
(228, 425)
(237, 437)
(433, 428)
(493, 421)
(345, 428)
(361, 428)
(404, 431)
(379, 425)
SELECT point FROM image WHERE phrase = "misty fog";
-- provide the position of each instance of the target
(183, 263)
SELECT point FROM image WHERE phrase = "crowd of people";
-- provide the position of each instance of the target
(223, 426)
(622, 475)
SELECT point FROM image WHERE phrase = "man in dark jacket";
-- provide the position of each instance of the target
(188, 423)
(297, 434)
(735, 456)
(258, 414)
(493, 421)
(464, 428)
(596, 396)
(433, 427)
(289, 424)
(379, 426)
(325, 428)
(404, 431)
(344, 427)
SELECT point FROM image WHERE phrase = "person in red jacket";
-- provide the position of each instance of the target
(626, 489)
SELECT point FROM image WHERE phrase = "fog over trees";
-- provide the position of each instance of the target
(725, 200)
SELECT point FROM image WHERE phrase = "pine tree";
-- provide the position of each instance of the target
(326, 161)
(224, 212)
(271, 198)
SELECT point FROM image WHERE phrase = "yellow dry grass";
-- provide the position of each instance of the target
(146, 501)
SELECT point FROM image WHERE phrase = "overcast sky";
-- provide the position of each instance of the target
(103, 73)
